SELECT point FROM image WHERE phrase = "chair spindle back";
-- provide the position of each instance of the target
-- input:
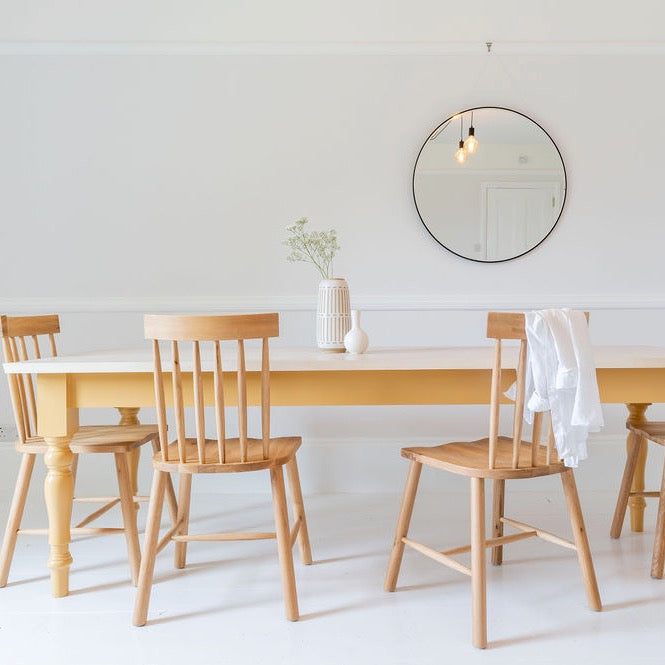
(501, 326)
(15, 331)
(511, 325)
(206, 332)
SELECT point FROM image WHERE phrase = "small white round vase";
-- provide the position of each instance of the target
(356, 340)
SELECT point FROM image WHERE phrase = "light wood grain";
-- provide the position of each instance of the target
(298, 507)
(303, 376)
(160, 401)
(498, 505)
(581, 540)
(632, 492)
(220, 418)
(284, 547)
(242, 401)
(403, 521)
(27, 326)
(265, 397)
(149, 548)
(128, 514)
(184, 505)
(223, 537)
(540, 533)
(506, 325)
(498, 458)
(112, 501)
(282, 450)
(495, 404)
(471, 459)
(518, 411)
(440, 557)
(193, 455)
(20, 337)
(211, 327)
(178, 404)
(658, 557)
(198, 404)
(636, 416)
(15, 514)
(536, 433)
(478, 571)
(632, 451)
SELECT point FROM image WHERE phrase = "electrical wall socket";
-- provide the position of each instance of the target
(8, 433)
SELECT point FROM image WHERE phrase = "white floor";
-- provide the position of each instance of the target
(226, 606)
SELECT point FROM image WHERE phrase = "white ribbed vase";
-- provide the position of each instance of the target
(333, 314)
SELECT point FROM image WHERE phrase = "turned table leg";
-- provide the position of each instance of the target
(59, 493)
(129, 416)
(636, 414)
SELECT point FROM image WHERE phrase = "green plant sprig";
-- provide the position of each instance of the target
(317, 247)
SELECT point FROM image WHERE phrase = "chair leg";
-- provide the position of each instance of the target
(624, 492)
(128, 513)
(133, 459)
(581, 540)
(15, 515)
(184, 501)
(403, 521)
(149, 548)
(284, 543)
(658, 558)
(299, 511)
(498, 502)
(75, 466)
(478, 572)
(171, 501)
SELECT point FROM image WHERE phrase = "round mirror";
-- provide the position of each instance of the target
(489, 184)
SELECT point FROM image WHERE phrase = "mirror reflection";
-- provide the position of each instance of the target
(489, 184)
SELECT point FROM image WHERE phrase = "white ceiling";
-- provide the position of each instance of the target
(413, 21)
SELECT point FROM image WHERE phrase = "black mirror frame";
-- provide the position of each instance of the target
(565, 183)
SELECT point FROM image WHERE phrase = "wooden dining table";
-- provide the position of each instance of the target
(632, 375)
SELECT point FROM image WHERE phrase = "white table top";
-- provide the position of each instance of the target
(290, 359)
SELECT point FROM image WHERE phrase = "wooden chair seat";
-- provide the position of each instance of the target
(281, 451)
(98, 439)
(654, 431)
(469, 458)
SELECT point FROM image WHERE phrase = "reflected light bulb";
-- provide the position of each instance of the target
(460, 155)
(471, 143)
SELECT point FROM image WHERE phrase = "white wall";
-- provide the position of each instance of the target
(136, 181)
(123, 164)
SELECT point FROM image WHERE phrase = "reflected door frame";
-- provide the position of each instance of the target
(552, 187)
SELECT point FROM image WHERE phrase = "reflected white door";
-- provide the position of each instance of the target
(517, 216)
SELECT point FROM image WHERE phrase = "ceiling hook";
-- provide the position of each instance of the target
(489, 46)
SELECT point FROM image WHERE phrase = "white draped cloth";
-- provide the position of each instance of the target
(561, 378)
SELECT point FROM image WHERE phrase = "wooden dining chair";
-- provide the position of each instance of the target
(20, 342)
(222, 454)
(642, 430)
(498, 458)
